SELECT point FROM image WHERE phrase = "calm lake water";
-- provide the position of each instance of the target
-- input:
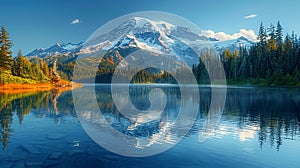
(260, 127)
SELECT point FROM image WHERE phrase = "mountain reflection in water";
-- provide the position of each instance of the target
(271, 114)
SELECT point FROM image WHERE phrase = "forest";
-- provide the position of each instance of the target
(20, 69)
(273, 60)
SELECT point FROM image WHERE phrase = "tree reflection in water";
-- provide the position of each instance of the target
(273, 113)
(270, 114)
(43, 104)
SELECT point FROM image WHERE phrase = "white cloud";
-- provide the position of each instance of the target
(249, 34)
(250, 16)
(75, 21)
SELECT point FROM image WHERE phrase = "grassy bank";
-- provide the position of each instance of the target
(7, 78)
(22, 88)
(15, 84)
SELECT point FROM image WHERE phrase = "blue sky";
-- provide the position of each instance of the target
(41, 23)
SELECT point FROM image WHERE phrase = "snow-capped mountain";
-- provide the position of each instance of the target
(233, 44)
(56, 49)
(158, 37)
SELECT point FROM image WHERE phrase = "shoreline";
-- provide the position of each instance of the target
(188, 85)
(39, 87)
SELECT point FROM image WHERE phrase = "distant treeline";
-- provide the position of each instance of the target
(273, 60)
(150, 75)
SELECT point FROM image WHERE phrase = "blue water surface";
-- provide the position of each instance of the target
(259, 128)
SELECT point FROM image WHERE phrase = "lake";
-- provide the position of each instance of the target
(259, 127)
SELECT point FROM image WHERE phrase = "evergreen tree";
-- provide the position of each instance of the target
(6, 60)
(272, 39)
(278, 34)
(19, 65)
(262, 36)
(286, 63)
(279, 41)
(244, 67)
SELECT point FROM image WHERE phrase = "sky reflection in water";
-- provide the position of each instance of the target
(259, 127)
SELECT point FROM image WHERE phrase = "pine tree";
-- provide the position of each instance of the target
(19, 65)
(288, 52)
(279, 34)
(279, 53)
(262, 36)
(262, 54)
(272, 39)
(244, 70)
(6, 60)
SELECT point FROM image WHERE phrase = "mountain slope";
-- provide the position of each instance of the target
(157, 37)
(57, 49)
(233, 44)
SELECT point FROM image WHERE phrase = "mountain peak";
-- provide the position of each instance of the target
(156, 25)
(233, 44)
(137, 19)
(243, 38)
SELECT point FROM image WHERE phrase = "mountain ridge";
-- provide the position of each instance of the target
(159, 37)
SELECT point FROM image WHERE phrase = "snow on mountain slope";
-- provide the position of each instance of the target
(233, 44)
(158, 37)
(70, 46)
(57, 49)
(139, 29)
